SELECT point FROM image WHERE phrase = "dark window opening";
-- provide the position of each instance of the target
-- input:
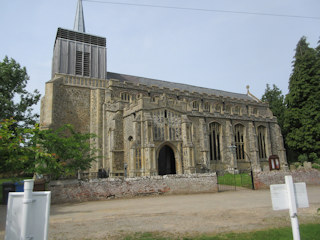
(262, 143)
(86, 64)
(214, 141)
(239, 142)
(83, 63)
(78, 63)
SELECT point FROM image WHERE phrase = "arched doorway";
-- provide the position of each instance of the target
(166, 161)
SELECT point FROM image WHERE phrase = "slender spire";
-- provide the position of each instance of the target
(79, 20)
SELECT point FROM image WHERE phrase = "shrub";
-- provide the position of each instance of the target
(316, 166)
(313, 157)
(303, 158)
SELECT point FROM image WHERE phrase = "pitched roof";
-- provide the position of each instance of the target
(172, 85)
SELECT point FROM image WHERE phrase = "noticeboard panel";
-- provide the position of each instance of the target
(38, 219)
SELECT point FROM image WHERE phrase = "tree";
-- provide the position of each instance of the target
(276, 102)
(15, 101)
(60, 152)
(14, 151)
(302, 116)
(72, 151)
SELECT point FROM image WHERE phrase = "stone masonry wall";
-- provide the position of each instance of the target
(102, 189)
(265, 179)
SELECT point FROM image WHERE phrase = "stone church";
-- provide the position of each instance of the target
(149, 127)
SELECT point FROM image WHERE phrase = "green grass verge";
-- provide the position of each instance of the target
(307, 232)
(239, 180)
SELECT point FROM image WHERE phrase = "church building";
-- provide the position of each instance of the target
(148, 127)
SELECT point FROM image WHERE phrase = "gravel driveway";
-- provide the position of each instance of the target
(177, 215)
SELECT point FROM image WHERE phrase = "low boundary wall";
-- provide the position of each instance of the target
(101, 189)
(265, 179)
(108, 188)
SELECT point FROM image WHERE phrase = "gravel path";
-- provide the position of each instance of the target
(177, 215)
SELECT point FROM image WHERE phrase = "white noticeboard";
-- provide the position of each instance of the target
(279, 196)
(38, 219)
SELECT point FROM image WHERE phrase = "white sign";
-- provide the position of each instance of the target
(31, 223)
(290, 196)
(279, 196)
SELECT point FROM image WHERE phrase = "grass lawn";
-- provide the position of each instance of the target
(307, 232)
(239, 180)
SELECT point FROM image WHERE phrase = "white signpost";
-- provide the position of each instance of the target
(290, 196)
(28, 214)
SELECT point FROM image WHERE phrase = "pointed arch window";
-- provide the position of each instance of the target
(214, 141)
(262, 142)
(239, 141)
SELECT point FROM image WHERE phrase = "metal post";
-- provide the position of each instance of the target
(251, 171)
(27, 201)
(125, 169)
(292, 208)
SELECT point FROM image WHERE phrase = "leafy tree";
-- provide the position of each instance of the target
(72, 151)
(302, 116)
(56, 153)
(15, 101)
(14, 152)
(276, 102)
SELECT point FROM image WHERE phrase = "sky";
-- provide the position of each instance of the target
(220, 50)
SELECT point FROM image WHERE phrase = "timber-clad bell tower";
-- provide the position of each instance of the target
(78, 53)
(148, 127)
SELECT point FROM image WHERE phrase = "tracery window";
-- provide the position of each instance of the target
(166, 123)
(262, 142)
(239, 141)
(138, 158)
(214, 141)
(125, 96)
(195, 105)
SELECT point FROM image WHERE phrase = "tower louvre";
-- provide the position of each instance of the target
(78, 53)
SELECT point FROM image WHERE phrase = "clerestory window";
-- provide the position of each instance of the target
(125, 96)
(195, 105)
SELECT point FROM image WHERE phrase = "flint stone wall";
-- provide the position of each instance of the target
(102, 189)
(265, 179)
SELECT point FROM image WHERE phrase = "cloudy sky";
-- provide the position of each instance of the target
(213, 49)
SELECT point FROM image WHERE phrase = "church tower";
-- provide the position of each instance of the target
(78, 53)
